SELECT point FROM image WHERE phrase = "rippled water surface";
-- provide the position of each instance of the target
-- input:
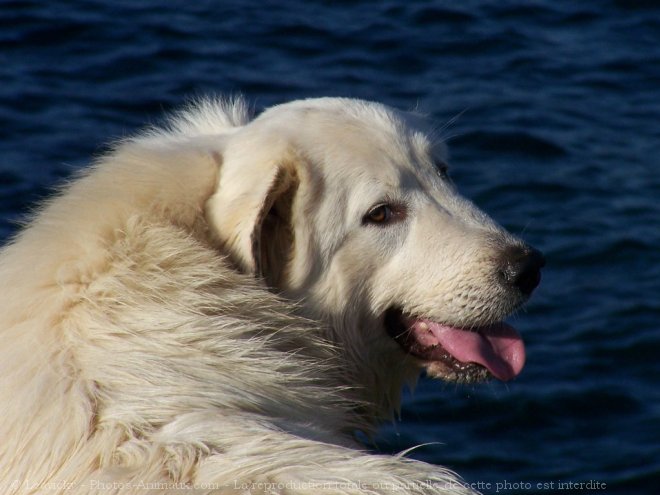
(552, 113)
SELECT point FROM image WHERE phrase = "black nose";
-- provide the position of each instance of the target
(521, 268)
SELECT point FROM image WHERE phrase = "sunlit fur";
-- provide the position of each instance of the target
(204, 306)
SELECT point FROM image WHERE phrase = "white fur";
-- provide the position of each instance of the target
(143, 351)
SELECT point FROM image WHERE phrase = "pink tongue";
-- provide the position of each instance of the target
(499, 347)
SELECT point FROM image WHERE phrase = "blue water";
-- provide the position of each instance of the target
(553, 118)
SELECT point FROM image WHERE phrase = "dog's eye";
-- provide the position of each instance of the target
(380, 215)
(443, 170)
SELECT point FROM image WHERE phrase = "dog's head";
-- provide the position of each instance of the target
(346, 206)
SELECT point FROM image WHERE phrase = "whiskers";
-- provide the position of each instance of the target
(440, 134)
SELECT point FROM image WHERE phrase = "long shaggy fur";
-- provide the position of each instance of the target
(141, 353)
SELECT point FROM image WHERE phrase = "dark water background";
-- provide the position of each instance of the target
(558, 138)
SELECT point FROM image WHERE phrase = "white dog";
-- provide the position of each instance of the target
(218, 307)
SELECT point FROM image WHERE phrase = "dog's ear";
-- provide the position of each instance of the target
(250, 214)
(273, 242)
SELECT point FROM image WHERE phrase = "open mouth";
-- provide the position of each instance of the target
(459, 354)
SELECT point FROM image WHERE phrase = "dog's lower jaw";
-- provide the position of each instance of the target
(431, 357)
(460, 373)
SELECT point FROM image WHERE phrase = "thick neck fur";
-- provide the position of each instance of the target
(155, 280)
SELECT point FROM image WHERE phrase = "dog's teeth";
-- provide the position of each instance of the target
(423, 326)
